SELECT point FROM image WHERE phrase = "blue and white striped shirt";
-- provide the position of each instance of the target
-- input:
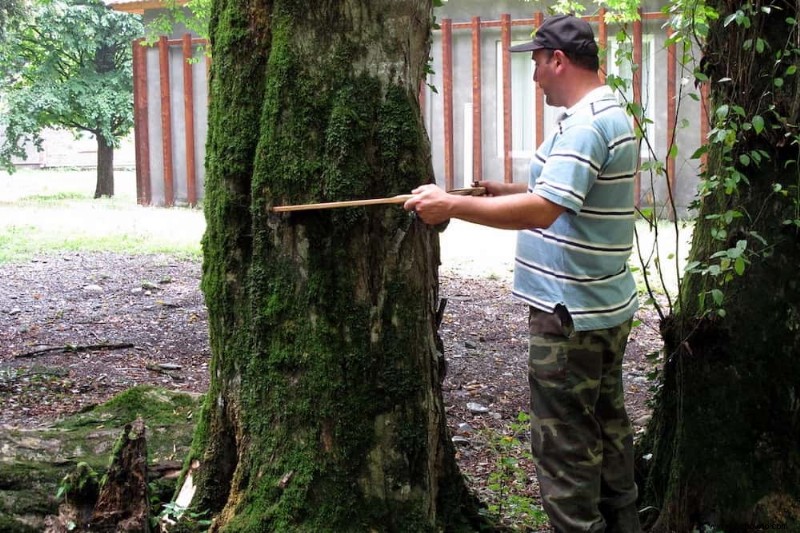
(581, 261)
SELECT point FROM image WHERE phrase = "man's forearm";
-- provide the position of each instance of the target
(510, 211)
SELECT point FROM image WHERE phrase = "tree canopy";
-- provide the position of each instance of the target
(67, 65)
(9, 10)
(193, 15)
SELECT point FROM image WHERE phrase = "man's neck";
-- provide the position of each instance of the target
(582, 85)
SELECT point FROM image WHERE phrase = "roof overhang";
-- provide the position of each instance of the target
(138, 6)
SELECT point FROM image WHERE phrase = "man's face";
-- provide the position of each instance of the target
(544, 73)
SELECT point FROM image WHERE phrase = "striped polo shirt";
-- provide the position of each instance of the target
(581, 261)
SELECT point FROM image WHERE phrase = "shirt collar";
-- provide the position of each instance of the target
(596, 94)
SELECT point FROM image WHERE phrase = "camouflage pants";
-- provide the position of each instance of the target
(580, 433)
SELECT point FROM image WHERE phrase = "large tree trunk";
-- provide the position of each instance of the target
(726, 427)
(105, 168)
(325, 410)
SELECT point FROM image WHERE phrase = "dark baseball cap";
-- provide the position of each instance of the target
(562, 32)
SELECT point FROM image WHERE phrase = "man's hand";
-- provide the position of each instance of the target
(499, 188)
(431, 204)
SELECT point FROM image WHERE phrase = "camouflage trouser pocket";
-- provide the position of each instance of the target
(548, 332)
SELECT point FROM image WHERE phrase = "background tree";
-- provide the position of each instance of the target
(325, 410)
(69, 66)
(192, 15)
(722, 447)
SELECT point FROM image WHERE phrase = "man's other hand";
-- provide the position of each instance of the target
(431, 204)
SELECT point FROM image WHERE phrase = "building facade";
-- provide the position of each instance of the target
(482, 111)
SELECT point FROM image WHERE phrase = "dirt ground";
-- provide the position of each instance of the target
(77, 328)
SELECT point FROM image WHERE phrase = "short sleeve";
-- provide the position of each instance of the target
(571, 169)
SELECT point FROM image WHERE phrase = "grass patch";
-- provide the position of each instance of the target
(21, 243)
(55, 197)
(44, 213)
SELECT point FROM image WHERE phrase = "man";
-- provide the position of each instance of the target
(576, 219)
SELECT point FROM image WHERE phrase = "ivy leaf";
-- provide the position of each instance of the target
(691, 266)
(758, 123)
(730, 18)
(699, 152)
(738, 266)
(717, 296)
(673, 151)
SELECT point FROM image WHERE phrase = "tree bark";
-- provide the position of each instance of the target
(722, 448)
(105, 168)
(325, 409)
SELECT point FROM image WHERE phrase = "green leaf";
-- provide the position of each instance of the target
(700, 152)
(744, 159)
(717, 296)
(691, 266)
(730, 18)
(758, 123)
(673, 151)
(739, 265)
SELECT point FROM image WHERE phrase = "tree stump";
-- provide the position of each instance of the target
(123, 504)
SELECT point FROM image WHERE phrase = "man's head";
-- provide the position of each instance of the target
(570, 34)
(565, 54)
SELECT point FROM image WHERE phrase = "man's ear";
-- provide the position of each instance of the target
(559, 57)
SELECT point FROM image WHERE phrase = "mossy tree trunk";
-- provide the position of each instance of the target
(325, 410)
(726, 426)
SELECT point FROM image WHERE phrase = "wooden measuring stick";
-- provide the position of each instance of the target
(399, 199)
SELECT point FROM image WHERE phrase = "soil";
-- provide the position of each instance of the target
(78, 328)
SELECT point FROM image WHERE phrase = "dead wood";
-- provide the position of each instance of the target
(123, 504)
(71, 348)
